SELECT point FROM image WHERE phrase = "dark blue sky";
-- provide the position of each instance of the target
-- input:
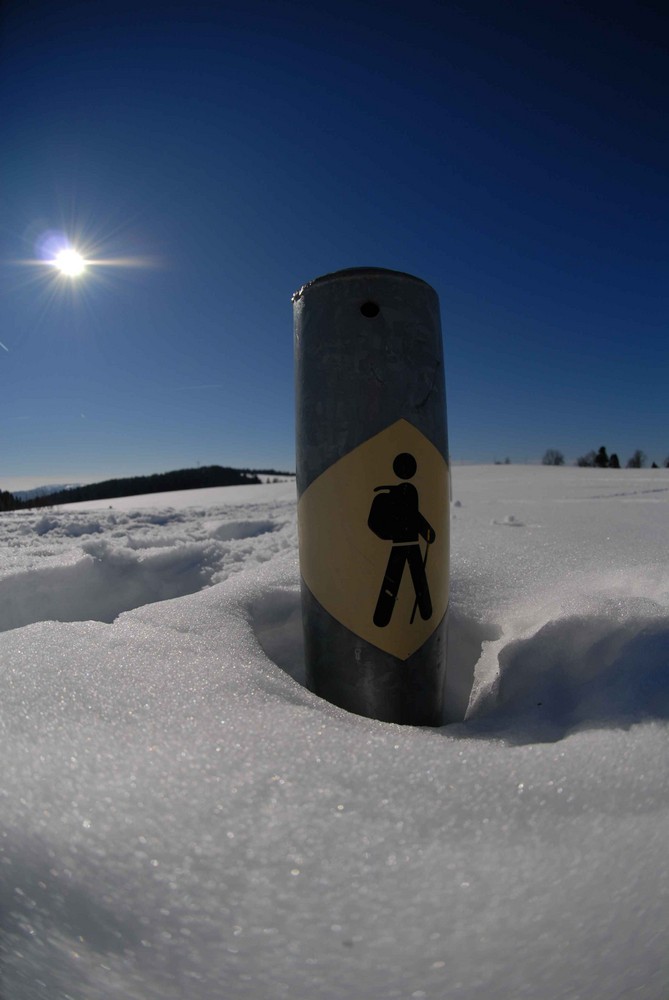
(513, 155)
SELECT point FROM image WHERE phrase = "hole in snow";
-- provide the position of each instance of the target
(465, 643)
(277, 622)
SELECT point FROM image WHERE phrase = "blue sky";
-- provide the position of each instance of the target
(222, 154)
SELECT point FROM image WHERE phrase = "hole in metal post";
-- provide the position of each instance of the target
(369, 309)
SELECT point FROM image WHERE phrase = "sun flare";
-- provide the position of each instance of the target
(69, 262)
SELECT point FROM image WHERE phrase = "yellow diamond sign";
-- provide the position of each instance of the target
(374, 539)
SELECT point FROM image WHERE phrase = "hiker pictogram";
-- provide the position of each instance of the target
(395, 516)
(355, 532)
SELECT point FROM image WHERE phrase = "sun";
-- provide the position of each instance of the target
(69, 262)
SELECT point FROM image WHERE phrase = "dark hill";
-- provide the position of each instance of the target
(161, 482)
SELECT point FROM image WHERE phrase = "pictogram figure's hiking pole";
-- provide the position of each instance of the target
(415, 603)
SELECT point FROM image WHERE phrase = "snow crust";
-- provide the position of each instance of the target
(180, 817)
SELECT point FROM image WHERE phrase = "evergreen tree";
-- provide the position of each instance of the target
(602, 459)
(637, 461)
(614, 461)
(8, 501)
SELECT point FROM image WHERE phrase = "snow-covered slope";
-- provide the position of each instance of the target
(180, 817)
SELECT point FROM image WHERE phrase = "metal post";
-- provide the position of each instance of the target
(373, 493)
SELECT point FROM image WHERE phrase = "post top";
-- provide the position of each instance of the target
(357, 272)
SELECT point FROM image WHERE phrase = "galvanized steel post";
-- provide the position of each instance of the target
(373, 493)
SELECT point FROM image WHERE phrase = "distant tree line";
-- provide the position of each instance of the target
(600, 460)
(266, 472)
(162, 482)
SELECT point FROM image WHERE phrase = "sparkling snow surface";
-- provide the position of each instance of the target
(181, 818)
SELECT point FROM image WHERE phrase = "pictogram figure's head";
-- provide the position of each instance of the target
(405, 466)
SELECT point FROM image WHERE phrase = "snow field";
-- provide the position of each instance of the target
(181, 818)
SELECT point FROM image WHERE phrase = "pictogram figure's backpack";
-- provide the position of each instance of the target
(383, 513)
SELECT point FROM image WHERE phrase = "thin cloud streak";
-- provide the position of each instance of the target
(211, 385)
